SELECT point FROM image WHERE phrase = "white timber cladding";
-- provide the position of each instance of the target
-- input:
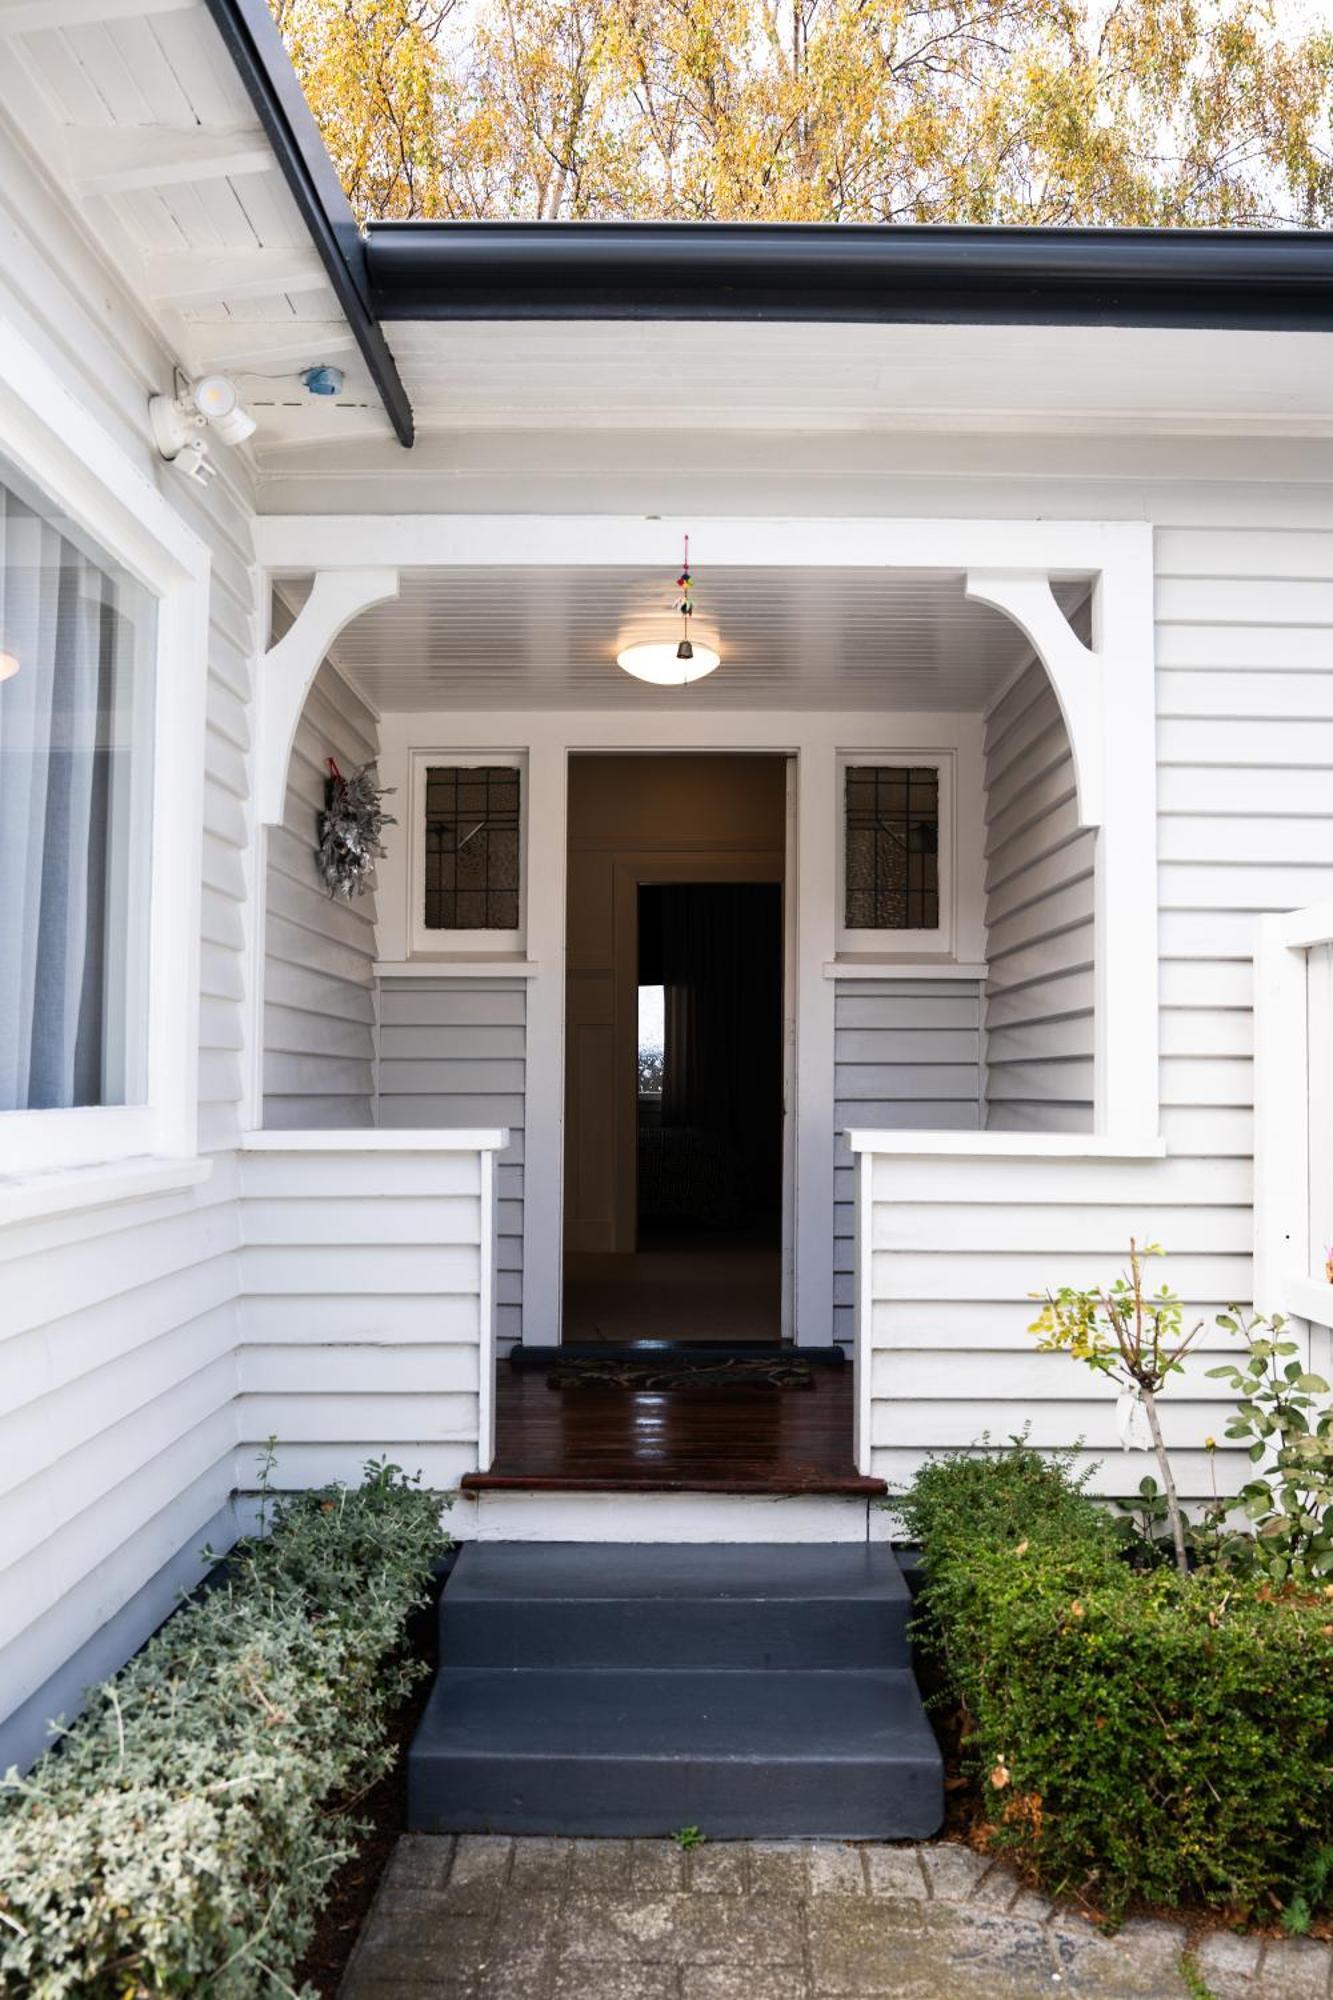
(1040, 921)
(368, 1319)
(319, 985)
(118, 1314)
(452, 1052)
(907, 1057)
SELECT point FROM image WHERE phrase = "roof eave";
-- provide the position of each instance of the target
(255, 47)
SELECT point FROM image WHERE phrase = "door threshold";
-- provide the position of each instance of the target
(780, 1485)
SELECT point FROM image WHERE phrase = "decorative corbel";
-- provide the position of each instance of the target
(1074, 671)
(288, 669)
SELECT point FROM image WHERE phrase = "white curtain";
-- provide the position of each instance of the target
(56, 612)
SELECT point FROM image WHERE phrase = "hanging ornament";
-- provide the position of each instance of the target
(351, 827)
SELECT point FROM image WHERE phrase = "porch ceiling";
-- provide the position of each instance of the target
(501, 638)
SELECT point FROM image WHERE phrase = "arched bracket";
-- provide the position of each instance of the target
(1074, 671)
(288, 669)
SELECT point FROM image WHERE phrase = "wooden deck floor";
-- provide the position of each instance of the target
(732, 1440)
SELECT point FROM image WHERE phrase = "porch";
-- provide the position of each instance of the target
(389, 1033)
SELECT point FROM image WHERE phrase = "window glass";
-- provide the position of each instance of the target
(76, 704)
(472, 847)
(652, 1039)
(892, 847)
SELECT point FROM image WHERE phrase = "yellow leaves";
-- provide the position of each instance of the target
(1151, 111)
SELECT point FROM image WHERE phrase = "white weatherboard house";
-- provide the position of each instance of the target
(985, 886)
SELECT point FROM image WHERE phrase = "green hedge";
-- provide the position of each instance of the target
(1135, 1735)
(180, 1839)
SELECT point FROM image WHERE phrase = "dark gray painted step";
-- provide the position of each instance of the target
(570, 1604)
(738, 1754)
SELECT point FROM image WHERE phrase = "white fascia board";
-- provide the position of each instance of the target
(298, 543)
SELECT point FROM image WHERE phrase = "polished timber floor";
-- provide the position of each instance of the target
(701, 1439)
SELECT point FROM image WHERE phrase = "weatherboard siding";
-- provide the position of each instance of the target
(452, 1055)
(1244, 638)
(1038, 1013)
(319, 982)
(118, 1329)
(906, 1057)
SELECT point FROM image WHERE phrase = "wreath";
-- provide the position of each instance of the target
(351, 829)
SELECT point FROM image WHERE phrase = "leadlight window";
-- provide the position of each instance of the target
(472, 847)
(892, 834)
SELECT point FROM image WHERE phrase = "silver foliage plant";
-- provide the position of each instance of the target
(351, 829)
(181, 1839)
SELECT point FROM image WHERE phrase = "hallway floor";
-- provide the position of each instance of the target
(697, 1289)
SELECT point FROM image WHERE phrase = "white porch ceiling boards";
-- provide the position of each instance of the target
(581, 375)
(136, 109)
(542, 638)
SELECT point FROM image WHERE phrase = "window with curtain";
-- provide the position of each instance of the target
(76, 702)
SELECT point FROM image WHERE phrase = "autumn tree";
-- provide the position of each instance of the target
(1042, 111)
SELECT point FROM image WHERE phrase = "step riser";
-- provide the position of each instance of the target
(745, 1633)
(666, 1517)
(643, 1799)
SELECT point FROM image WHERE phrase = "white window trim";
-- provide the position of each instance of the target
(1284, 1281)
(887, 944)
(77, 465)
(425, 942)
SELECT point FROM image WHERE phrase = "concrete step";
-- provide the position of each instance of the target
(537, 1514)
(732, 1605)
(597, 1751)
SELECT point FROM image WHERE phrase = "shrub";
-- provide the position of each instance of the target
(1136, 1735)
(179, 1839)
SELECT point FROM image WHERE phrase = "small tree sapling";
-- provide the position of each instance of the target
(1120, 1331)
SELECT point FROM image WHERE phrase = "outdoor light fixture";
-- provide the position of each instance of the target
(672, 663)
(210, 403)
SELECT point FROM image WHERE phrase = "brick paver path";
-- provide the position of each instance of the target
(491, 1919)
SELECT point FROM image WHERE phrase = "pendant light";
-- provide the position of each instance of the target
(672, 663)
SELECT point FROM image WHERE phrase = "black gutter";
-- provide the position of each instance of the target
(1279, 279)
(262, 63)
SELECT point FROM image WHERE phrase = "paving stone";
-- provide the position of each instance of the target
(431, 1947)
(866, 1947)
(1140, 1962)
(742, 1982)
(479, 1873)
(1229, 1964)
(540, 1866)
(1295, 1969)
(777, 1868)
(895, 1871)
(519, 1960)
(581, 1980)
(996, 1889)
(717, 1871)
(835, 1870)
(953, 1872)
(602, 1864)
(700, 1930)
(1031, 1904)
(420, 1861)
(656, 1867)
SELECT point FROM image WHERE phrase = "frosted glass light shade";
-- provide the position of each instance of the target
(660, 662)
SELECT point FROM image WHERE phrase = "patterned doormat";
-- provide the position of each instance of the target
(779, 1371)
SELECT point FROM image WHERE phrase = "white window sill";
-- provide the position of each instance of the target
(1308, 1298)
(1005, 1146)
(67, 1190)
(901, 968)
(456, 968)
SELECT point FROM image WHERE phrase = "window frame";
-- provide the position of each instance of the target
(82, 472)
(901, 944)
(427, 942)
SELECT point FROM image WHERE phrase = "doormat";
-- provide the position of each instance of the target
(679, 1372)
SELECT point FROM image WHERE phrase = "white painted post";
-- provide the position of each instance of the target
(817, 832)
(543, 1172)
